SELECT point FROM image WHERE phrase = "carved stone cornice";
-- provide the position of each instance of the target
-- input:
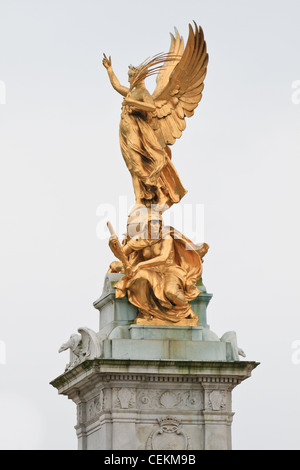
(92, 372)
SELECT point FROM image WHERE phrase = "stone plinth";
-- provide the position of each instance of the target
(140, 387)
(159, 405)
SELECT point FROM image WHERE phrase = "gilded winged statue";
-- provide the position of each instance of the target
(150, 124)
(160, 266)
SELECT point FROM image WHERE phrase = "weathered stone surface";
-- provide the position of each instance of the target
(138, 405)
(141, 387)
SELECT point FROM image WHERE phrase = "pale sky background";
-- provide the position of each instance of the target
(60, 160)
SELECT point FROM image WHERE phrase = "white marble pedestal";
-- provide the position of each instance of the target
(147, 387)
(154, 405)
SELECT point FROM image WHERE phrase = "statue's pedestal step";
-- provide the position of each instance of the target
(165, 332)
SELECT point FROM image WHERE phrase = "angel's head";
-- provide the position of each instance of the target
(132, 72)
(151, 66)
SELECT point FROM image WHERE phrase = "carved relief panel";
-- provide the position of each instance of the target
(217, 400)
(154, 399)
(169, 435)
(124, 398)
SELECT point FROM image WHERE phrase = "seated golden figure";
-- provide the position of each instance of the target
(162, 271)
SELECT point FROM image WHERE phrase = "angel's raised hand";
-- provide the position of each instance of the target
(106, 62)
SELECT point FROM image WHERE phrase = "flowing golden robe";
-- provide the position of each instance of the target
(148, 158)
(148, 289)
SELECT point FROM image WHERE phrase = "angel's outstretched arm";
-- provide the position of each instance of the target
(123, 90)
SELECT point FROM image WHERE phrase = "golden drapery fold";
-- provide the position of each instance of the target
(155, 178)
(151, 288)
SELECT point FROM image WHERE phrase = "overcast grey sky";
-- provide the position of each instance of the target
(60, 160)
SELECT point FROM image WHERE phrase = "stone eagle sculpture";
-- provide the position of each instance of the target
(86, 345)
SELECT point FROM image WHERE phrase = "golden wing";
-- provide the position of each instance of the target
(175, 52)
(180, 84)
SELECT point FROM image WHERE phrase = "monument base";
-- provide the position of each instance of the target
(155, 387)
(154, 405)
